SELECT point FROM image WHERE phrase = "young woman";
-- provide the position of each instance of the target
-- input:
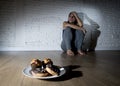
(73, 35)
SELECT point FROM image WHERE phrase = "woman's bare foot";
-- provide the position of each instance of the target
(70, 53)
(80, 52)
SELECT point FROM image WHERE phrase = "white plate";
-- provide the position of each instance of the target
(26, 72)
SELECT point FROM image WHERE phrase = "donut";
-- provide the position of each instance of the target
(39, 74)
(49, 70)
(36, 61)
(54, 70)
(48, 61)
(43, 68)
(38, 71)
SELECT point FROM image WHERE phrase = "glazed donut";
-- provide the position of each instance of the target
(49, 70)
(54, 70)
(43, 68)
(36, 61)
(39, 74)
(47, 61)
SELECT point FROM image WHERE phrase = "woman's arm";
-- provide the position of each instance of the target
(66, 24)
(78, 19)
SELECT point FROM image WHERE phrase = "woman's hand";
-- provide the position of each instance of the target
(84, 31)
(65, 24)
(79, 21)
(74, 13)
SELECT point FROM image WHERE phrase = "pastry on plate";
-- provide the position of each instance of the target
(44, 68)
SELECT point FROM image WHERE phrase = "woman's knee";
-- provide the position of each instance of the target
(79, 32)
(67, 29)
(67, 33)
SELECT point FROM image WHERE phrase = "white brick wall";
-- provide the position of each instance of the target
(37, 24)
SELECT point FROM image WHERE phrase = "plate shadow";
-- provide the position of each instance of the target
(70, 73)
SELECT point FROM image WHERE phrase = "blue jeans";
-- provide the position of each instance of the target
(72, 39)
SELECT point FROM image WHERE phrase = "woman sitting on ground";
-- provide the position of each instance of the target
(73, 35)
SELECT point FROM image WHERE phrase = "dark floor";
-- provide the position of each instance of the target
(99, 68)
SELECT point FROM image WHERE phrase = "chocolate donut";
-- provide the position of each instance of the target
(47, 61)
(39, 74)
(54, 70)
(44, 68)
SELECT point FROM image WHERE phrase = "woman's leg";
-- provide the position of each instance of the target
(79, 36)
(67, 38)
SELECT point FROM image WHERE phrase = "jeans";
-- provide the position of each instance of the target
(72, 39)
